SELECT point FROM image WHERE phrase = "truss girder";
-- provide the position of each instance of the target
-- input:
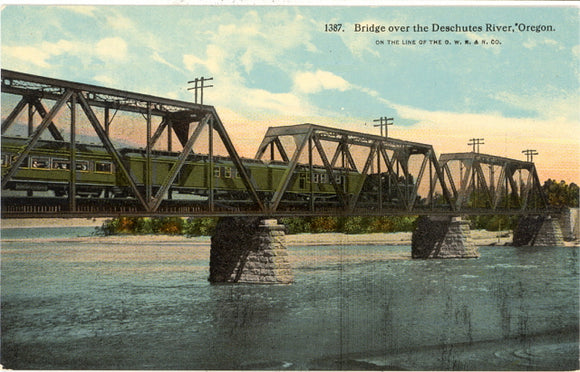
(473, 179)
(176, 116)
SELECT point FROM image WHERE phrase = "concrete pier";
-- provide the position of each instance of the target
(538, 231)
(249, 250)
(443, 237)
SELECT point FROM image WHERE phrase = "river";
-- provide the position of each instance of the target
(145, 303)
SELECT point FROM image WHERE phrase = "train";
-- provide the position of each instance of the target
(47, 169)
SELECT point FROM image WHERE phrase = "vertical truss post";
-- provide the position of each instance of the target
(310, 175)
(148, 161)
(35, 137)
(30, 119)
(211, 166)
(72, 189)
(169, 135)
(111, 149)
(107, 121)
(380, 181)
(431, 186)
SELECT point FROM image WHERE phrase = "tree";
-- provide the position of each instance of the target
(560, 194)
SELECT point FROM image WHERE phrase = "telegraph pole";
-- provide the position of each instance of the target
(384, 122)
(530, 155)
(199, 84)
(475, 142)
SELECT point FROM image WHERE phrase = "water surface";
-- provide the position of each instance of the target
(108, 304)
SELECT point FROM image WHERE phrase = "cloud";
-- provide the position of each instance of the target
(532, 43)
(158, 58)
(34, 55)
(314, 82)
(85, 10)
(114, 48)
(119, 22)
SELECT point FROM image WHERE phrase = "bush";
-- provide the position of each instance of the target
(199, 226)
(296, 225)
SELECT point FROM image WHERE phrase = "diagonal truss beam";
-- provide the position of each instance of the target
(36, 136)
(364, 172)
(176, 167)
(289, 172)
(247, 181)
(42, 112)
(339, 191)
(14, 114)
(111, 149)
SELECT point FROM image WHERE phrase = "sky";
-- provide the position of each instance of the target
(282, 65)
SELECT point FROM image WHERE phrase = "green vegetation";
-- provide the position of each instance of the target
(560, 194)
(204, 226)
(349, 225)
(158, 225)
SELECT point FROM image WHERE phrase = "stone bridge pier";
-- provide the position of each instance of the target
(443, 237)
(538, 231)
(249, 250)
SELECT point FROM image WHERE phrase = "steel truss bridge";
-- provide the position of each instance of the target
(302, 169)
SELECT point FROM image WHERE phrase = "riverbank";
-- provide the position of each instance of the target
(481, 237)
(29, 223)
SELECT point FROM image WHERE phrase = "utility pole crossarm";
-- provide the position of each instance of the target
(199, 84)
(384, 122)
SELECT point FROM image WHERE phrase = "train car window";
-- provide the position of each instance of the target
(60, 164)
(83, 166)
(40, 163)
(338, 179)
(216, 172)
(324, 178)
(315, 178)
(24, 163)
(5, 160)
(228, 172)
(104, 167)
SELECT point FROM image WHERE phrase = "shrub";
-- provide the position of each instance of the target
(199, 226)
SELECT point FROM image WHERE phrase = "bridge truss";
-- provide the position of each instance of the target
(492, 182)
(183, 120)
(321, 170)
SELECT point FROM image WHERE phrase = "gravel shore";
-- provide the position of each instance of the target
(481, 237)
